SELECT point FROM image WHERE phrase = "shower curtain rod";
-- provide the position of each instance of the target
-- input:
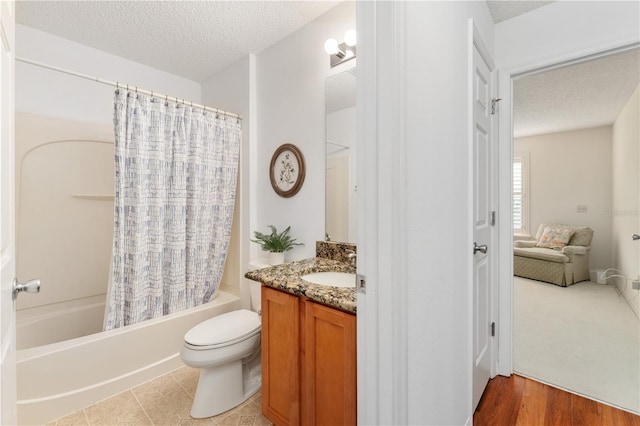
(126, 86)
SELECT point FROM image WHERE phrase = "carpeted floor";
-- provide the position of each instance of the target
(584, 338)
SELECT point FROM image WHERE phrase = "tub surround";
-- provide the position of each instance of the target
(287, 278)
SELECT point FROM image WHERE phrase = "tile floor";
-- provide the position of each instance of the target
(163, 401)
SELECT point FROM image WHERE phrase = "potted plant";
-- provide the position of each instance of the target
(275, 243)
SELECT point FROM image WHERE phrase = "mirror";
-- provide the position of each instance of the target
(340, 197)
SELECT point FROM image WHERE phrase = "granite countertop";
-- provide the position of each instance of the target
(286, 277)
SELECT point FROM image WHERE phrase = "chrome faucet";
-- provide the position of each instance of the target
(352, 256)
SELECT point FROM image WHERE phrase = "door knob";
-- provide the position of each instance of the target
(31, 286)
(635, 237)
(479, 248)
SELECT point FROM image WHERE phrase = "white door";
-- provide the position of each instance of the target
(483, 224)
(7, 215)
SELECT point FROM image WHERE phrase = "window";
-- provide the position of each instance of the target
(520, 194)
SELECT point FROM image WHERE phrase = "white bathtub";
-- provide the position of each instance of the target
(57, 322)
(59, 378)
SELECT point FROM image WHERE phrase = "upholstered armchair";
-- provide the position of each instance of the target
(559, 255)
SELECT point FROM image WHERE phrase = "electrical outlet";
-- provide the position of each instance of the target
(582, 208)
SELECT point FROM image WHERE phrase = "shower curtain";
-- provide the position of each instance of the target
(175, 182)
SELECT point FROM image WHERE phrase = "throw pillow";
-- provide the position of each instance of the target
(555, 238)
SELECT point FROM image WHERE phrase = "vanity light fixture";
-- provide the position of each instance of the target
(341, 52)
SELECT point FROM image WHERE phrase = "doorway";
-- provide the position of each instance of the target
(576, 170)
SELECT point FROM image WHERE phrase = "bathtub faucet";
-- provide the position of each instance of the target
(32, 286)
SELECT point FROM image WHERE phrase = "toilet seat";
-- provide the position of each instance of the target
(223, 330)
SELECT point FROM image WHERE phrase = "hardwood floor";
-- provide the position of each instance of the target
(519, 401)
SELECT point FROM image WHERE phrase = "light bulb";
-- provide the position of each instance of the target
(331, 46)
(350, 38)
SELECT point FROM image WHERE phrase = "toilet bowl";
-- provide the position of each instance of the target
(226, 349)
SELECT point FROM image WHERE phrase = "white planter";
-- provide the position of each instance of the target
(276, 258)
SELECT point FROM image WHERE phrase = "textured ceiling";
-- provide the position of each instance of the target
(501, 10)
(341, 90)
(196, 39)
(587, 94)
(193, 39)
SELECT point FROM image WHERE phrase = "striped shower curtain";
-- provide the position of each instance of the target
(175, 183)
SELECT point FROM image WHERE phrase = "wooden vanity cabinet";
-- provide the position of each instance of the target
(328, 366)
(323, 361)
(280, 357)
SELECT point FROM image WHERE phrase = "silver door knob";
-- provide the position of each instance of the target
(479, 248)
(635, 237)
(31, 286)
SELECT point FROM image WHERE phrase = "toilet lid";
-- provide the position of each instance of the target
(229, 327)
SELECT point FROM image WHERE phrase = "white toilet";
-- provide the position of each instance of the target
(227, 350)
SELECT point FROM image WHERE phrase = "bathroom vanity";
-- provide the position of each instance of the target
(308, 345)
(308, 361)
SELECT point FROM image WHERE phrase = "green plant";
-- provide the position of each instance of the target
(274, 242)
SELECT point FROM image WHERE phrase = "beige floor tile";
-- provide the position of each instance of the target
(228, 419)
(187, 377)
(261, 420)
(74, 419)
(120, 409)
(248, 408)
(247, 420)
(164, 401)
(257, 398)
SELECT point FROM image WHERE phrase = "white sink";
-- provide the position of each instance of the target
(335, 279)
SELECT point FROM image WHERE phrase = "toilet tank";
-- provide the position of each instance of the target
(255, 286)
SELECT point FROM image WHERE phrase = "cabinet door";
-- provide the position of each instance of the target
(329, 374)
(280, 357)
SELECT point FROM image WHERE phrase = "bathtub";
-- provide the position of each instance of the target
(57, 322)
(59, 378)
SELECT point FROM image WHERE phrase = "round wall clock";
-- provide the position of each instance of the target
(287, 170)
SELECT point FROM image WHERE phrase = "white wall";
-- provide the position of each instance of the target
(53, 94)
(625, 212)
(414, 202)
(291, 109)
(547, 34)
(438, 194)
(568, 169)
(233, 90)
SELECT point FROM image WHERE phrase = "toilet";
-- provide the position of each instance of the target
(226, 348)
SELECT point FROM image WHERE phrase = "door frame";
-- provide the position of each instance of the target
(8, 390)
(505, 196)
